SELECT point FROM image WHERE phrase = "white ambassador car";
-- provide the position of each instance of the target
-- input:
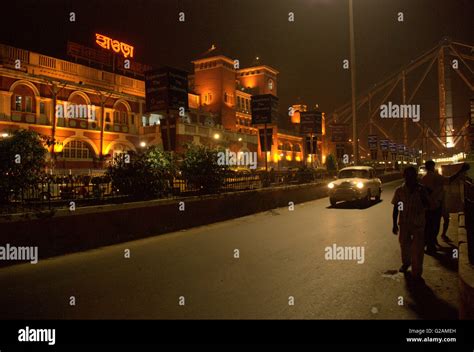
(355, 183)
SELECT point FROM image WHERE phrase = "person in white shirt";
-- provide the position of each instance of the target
(434, 182)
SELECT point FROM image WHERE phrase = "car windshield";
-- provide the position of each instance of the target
(354, 173)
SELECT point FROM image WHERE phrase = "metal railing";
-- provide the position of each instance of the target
(55, 192)
(58, 191)
(469, 218)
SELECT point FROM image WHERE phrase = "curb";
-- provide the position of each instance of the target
(65, 232)
(466, 275)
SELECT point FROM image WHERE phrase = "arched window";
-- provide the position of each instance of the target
(77, 99)
(78, 150)
(121, 114)
(23, 99)
(79, 107)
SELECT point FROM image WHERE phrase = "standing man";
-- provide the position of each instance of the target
(409, 204)
(445, 216)
(434, 183)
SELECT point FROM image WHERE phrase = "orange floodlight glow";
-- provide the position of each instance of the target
(112, 44)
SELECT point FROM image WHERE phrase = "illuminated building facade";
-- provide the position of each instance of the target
(225, 92)
(93, 114)
(33, 86)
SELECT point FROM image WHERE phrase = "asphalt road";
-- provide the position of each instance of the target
(281, 260)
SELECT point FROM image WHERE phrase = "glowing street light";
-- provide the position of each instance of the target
(353, 83)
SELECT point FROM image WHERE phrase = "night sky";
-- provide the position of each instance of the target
(308, 53)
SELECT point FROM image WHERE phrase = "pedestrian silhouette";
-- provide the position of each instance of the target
(434, 183)
(409, 204)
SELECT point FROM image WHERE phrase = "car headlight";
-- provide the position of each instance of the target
(331, 185)
(360, 185)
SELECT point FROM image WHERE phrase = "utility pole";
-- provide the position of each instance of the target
(353, 85)
(266, 151)
(404, 97)
(168, 132)
(55, 90)
(103, 100)
(370, 114)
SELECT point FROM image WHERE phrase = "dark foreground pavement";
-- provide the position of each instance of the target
(281, 261)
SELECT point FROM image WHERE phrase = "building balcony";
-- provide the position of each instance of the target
(78, 123)
(41, 65)
(150, 129)
(210, 132)
(82, 124)
(25, 117)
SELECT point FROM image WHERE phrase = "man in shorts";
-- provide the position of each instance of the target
(410, 202)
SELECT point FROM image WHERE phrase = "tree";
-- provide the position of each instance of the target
(146, 174)
(22, 162)
(201, 169)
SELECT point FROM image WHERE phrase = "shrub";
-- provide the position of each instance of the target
(201, 170)
(22, 162)
(305, 174)
(148, 174)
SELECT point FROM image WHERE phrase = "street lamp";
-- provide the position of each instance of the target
(353, 84)
(143, 144)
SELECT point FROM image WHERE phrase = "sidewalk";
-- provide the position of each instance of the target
(466, 274)
(440, 298)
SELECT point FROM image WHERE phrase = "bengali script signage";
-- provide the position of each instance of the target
(112, 44)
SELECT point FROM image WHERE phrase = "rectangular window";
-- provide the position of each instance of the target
(124, 118)
(107, 117)
(42, 108)
(18, 102)
(116, 117)
(28, 105)
(132, 119)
